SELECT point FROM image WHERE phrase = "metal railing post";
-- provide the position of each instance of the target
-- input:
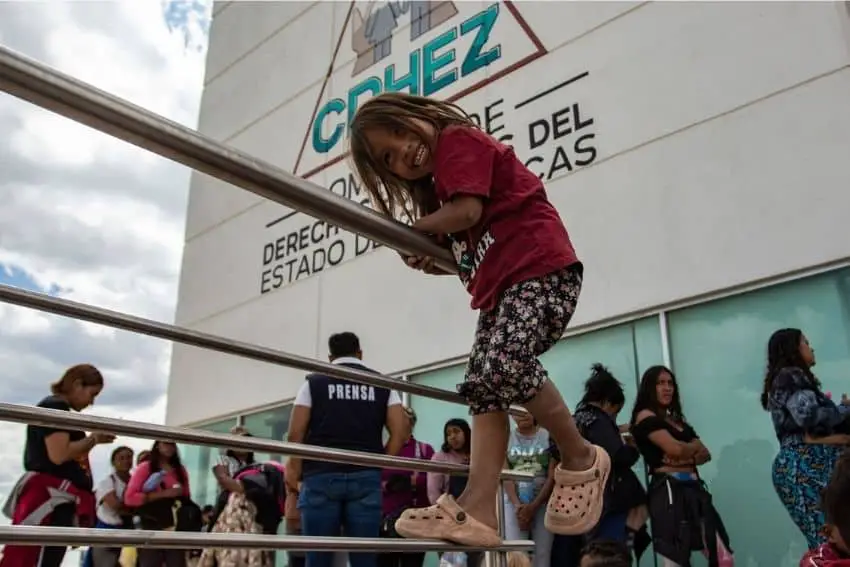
(501, 557)
(497, 558)
(405, 396)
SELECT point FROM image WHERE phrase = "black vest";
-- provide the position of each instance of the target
(345, 415)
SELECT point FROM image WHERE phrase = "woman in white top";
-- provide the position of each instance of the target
(111, 513)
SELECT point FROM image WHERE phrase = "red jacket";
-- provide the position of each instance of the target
(825, 556)
(32, 502)
(35, 495)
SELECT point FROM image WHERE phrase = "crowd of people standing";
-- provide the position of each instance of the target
(670, 509)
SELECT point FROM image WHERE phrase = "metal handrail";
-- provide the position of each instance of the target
(44, 86)
(29, 535)
(64, 419)
(116, 320)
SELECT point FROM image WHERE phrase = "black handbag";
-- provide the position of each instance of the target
(188, 516)
(182, 514)
(157, 515)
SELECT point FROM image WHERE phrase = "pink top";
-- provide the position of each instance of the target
(438, 483)
(273, 464)
(135, 497)
(394, 502)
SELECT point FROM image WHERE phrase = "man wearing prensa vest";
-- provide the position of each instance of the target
(336, 498)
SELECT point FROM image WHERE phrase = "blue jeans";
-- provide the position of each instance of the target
(332, 503)
(611, 527)
(566, 550)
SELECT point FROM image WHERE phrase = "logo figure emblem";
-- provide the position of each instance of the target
(372, 35)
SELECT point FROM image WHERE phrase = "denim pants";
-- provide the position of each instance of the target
(539, 534)
(566, 550)
(332, 503)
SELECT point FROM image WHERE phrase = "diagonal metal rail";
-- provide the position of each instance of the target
(63, 419)
(114, 319)
(41, 535)
(48, 88)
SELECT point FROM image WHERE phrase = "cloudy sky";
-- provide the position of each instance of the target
(87, 217)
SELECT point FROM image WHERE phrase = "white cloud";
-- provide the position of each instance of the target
(91, 218)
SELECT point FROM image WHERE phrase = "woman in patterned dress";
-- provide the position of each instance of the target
(811, 428)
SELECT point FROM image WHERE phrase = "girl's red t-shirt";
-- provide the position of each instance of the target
(520, 235)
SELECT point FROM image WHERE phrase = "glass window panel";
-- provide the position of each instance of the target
(718, 351)
(625, 349)
(199, 462)
(269, 424)
(431, 415)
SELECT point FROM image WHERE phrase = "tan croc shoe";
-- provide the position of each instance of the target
(575, 505)
(447, 521)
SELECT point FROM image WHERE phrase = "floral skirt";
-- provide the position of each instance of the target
(238, 517)
(531, 316)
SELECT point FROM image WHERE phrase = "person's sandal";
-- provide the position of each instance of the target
(446, 521)
(575, 505)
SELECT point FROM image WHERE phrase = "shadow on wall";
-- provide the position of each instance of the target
(762, 533)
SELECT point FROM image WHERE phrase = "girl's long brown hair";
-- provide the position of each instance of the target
(391, 195)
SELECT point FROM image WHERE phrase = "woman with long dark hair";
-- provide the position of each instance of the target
(596, 419)
(811, 428)
(683, 517)
(455, 449)
(58, 477)
(154, 489)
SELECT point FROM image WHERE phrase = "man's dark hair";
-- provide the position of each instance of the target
(607, 553)
(343, 344)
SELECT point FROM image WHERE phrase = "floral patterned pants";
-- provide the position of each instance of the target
(531, 316)
(238, 517)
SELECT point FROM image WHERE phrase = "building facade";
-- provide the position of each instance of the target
(696, 151)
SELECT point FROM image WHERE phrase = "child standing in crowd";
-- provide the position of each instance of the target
(525, 501)
(427, 160)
